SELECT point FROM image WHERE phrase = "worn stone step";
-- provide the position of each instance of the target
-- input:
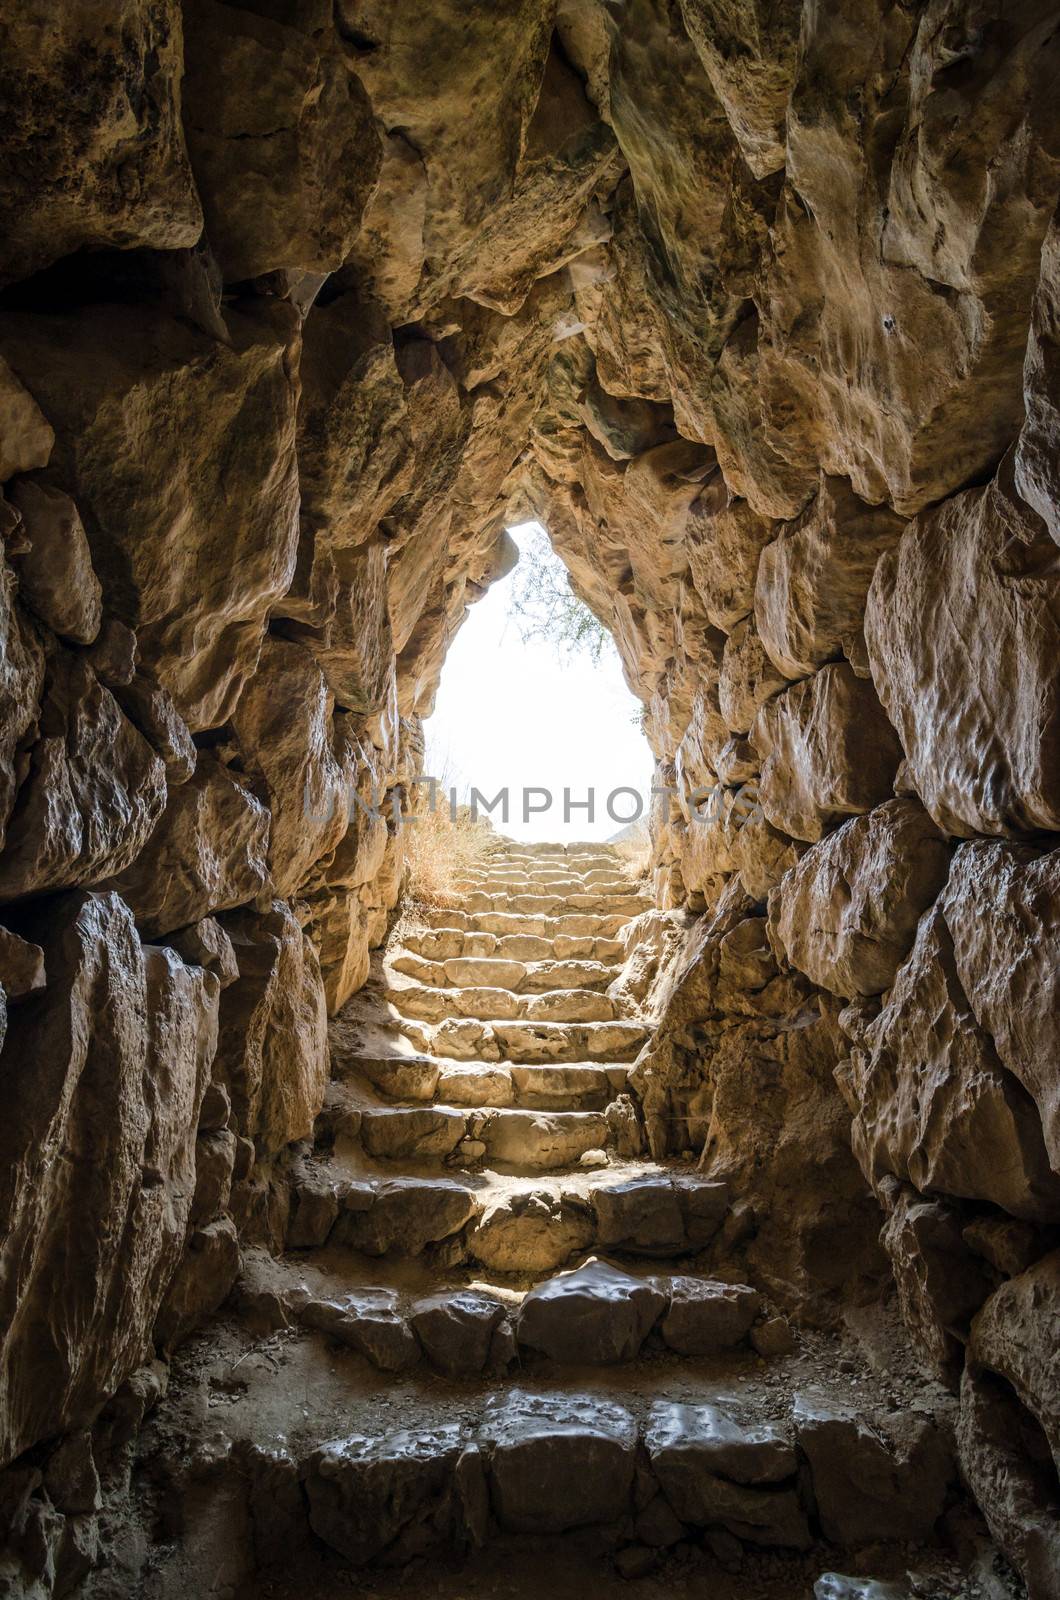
(557, 1041)
(418, 1133)
(422, 1003)
(569, 974)
(626, 903)
(498, 972)
(551, 1086)
(510, 1225)
(464, 972)
(599, 1313)
(575, 851)
(540, 1465)
(530, 902)
(577, 1086)
(571, 1005)
(444, 944)
(546, 877)
(467, 1039)
(560, 885)
(501, 923)
(387, 1469)
(399, 1077)
(540, 1140)
(527, 1141)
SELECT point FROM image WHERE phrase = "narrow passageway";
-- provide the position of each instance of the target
(477, 1200)
(533, 1327)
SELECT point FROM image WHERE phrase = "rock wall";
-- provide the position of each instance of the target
(759, 308)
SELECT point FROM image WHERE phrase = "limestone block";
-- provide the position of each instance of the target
(846, 915)
(93, 149)
(827, 752)
(108, 1064)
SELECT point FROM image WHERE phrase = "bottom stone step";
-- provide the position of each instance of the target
(543, 1460)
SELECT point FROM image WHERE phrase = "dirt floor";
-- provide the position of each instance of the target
(232, 1385)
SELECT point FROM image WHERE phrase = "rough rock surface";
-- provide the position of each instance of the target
(847, 914)
(932, 1102)
(756, 307)
(106, 1069)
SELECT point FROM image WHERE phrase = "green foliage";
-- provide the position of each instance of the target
(545, 606)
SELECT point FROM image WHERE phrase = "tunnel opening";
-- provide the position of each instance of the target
(534, 726)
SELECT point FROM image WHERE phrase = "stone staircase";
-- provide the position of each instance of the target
(500, 1319)
(479, 1116)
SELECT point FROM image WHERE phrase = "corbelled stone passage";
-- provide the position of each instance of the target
(695, 1234)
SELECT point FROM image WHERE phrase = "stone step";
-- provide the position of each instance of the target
(525, 1141)
(561, 885)
(601, 873)
(502, 923)
(500, 972)
(627, 903)
(422, 1003)
(597, 1314)
(723, 1469)
(548, 1464)
(445, 944)
(584, 851)
(509, 1225)
(556, 1041)
(467, 1039)
(578, 1086)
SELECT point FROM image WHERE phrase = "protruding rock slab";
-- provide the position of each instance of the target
(102, 97)
(104, 1072)
(717, 1473)
(94, 793)
(963, 636)
(272, 1052)
(1002, 907)
(555, 1466)
(828, 752)
(847, 914)
(596, 1314)
(813, 579)
(183, 468)
(885, 1481)
(208, 852)
(940, 1283)
(281, 138)
(1017, 1335)
(1006, 1462)
(932, 1102)
(706, 1315)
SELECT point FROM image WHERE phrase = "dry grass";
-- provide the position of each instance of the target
(440, 850)
(635, 851)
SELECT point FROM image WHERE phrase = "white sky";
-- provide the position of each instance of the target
(526, 716)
